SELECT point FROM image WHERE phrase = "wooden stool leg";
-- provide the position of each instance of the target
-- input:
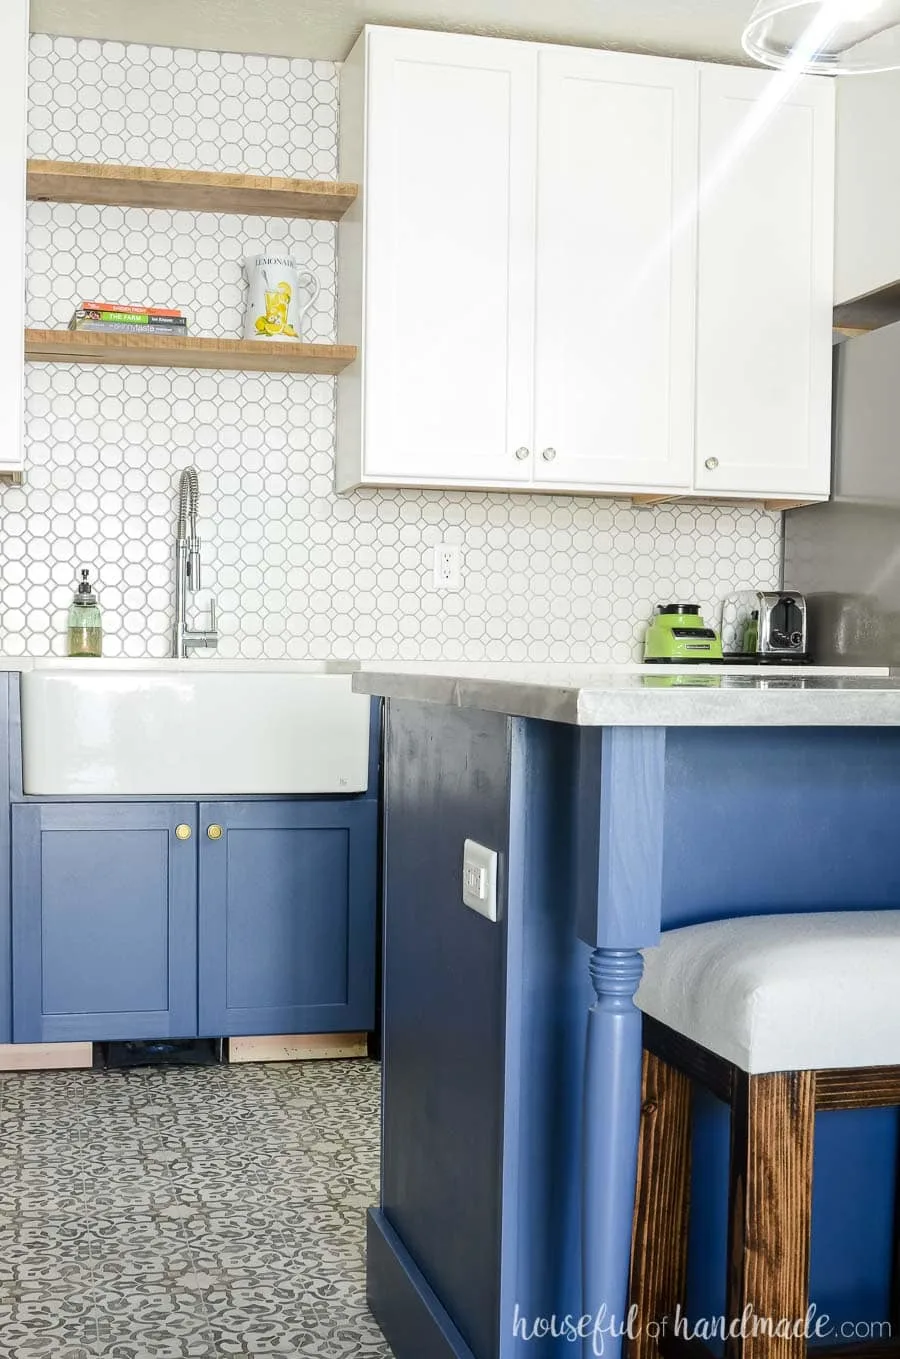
(662, 1203)
(770, 1207)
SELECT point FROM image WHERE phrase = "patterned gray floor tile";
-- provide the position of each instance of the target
(233, 1238)
(139, 1244)
(188, 1213)
(131, 1138)
(46, 1326)
(44, 1253)
(263, 1318)
(127, 1182)
(160, 1320)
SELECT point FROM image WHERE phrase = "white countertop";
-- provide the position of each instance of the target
(653, 696)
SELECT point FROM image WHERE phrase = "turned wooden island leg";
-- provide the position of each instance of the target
(619, 855)
(612, 1110)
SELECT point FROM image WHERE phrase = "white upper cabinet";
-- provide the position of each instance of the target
(765, 295)
(13, 99)
(616, 270)
(447, 327)
(537, 304)
(867, 199)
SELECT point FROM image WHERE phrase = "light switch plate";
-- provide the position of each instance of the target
(479, 879)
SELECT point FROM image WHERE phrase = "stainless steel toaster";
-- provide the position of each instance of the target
(765, 627)
(782, 628)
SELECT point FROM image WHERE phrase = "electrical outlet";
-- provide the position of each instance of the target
(447, 570)
(479, 879)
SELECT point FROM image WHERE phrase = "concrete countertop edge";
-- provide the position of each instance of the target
(608, 698)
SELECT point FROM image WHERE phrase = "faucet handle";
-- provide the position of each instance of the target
(193, 567)
(213, 613)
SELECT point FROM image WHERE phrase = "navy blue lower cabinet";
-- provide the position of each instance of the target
(287, 917)
(104, 921)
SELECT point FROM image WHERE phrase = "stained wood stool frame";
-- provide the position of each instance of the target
(769, 1194)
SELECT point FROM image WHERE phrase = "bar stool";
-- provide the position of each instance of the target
(779, 1016)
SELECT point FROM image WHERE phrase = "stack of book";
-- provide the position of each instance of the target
(122, 319)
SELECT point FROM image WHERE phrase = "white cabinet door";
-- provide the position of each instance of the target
(449, 215)
(765, 284)
(14, 69)
(867, 206)
(616, 265)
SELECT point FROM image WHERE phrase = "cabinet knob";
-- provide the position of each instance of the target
(182, 832)
(214, 832)
(523, 453)
(548, 454)
(711, 464)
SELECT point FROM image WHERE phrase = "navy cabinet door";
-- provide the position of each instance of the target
(287, 917)
(104, 921)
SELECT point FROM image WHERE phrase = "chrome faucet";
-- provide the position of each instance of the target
(187, 571)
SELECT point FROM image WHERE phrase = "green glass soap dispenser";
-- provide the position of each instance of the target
(85, 627)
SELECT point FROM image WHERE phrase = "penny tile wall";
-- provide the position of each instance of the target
(298, 571)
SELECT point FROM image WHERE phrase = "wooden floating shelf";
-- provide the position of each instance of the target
(137, 186)
(161, 351)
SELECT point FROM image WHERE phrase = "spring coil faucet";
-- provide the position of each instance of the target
(188, 571)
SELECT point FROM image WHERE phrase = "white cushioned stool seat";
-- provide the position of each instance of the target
(782, 992)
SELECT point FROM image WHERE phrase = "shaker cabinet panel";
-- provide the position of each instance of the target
(287, 917)
(449, 203)
(616, 264)
(104, 921)
(765, 288)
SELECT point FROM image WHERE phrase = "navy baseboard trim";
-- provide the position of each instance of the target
(413, 1321)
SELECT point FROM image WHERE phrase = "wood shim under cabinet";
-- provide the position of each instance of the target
(297, 1047)
(46, 1056)
(138, 186)
(161, 351)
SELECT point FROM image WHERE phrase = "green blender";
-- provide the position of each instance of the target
(678, 636)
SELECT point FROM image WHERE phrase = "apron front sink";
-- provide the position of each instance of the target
(175, 728)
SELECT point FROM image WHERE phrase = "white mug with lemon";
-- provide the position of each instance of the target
(281, 293)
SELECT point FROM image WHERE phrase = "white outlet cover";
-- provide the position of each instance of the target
(447, 571)
(479, 879)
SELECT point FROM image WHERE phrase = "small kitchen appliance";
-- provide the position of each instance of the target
(678, 636)
(774, 632)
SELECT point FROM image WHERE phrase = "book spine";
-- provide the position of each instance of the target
(123, 307)
(124, 328)
(131, 318)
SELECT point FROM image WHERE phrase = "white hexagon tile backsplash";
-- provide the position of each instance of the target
(298, 570)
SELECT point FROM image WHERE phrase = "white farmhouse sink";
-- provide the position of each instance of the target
(170, 728)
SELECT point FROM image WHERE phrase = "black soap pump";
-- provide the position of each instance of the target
(85, 627)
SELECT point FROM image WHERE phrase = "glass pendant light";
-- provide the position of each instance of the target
(828, 37)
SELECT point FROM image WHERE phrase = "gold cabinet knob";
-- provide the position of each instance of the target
(214, 832)
(182, 832)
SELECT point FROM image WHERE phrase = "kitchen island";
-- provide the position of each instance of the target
(617, 805)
